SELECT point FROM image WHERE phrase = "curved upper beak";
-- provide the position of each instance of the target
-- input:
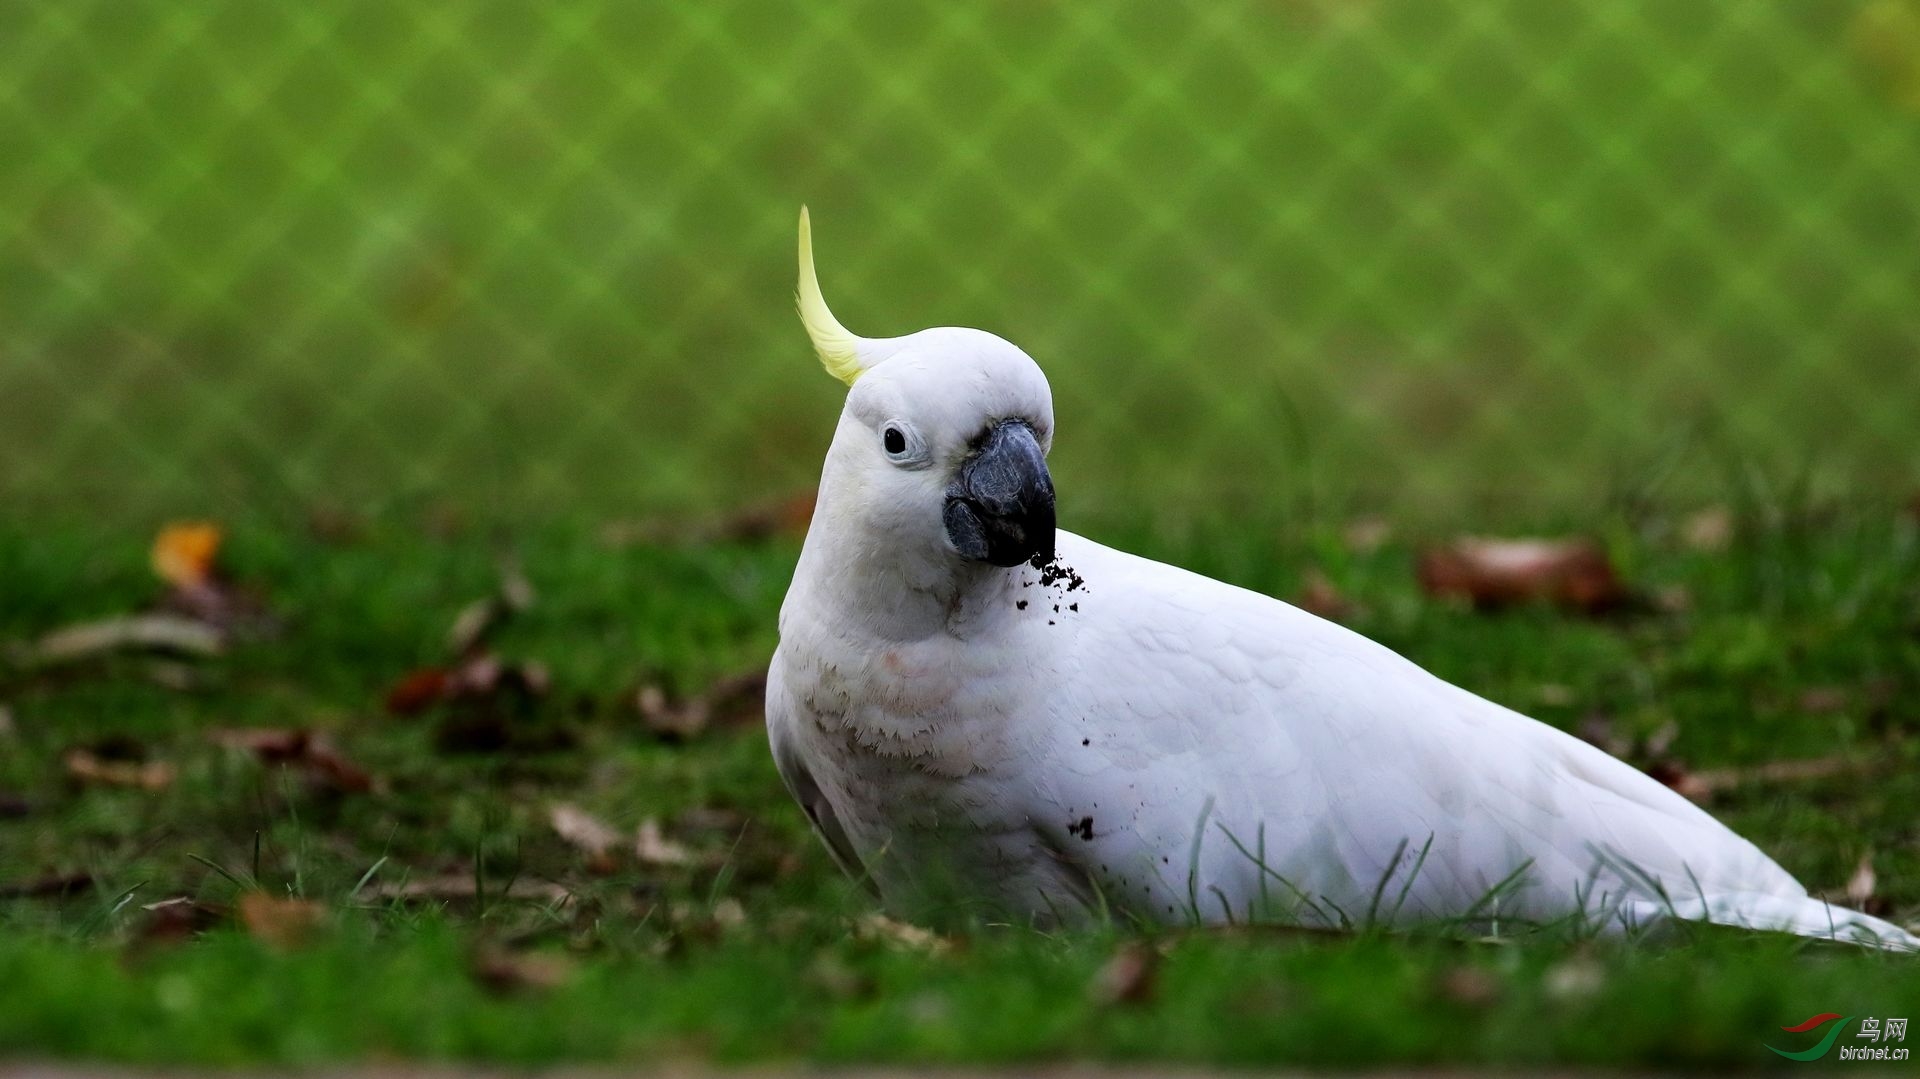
(1000, 503)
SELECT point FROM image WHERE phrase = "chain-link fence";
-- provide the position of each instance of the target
(537, 258)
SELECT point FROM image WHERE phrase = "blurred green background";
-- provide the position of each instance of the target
(535, 260)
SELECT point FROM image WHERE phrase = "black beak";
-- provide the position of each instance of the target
(1000, 504)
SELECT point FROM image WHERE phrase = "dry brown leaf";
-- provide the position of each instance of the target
(1365, 535)
(418, 691)
(729, 913)
(588, 833)
(185, 552)
(477, 677)
(176, 919)
(1491, 573)
(280, 921)
(1471, 986)
(1823, 700)
(502, 971)
(1130, 977)
(1710, 530)
(667, 720)
(1705, 783)
(87, 768)
(186, 556)
(1319, 596)
(459, 887)
(136, 632)
(473, 624)
(1861, 885)
(736, 701)
(652, 846)
(1555, 695)
(311, 751)
(901, 934)
(1574, 979)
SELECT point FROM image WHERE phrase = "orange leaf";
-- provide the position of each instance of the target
(1491, 573)
(282, 923)
(184, 552)
(89, 769)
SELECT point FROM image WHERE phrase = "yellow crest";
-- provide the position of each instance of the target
(839, 349)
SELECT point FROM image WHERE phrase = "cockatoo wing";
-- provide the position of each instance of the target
(791, 763)
(1261, 757)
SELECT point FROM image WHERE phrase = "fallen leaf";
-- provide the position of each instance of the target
(418, 691)
(1673, 599)
(1365, 535)
(1597, 728)
(186, 556)
(279, 921)
(738, 700)
(1709, 530)
(729, 913)
(477, 677)
(1861, 885)
(1658, 743)
(735, 701)
(881, 928)
(1492, 573)
(177, 919)
(654, 848)
(502, 971)
(1471, 986)
(516, 591)
(478, 621)
(51, 887)
(308, 750)
(1823, 700)
(137, 632)
(667, 720)
(1575, 979)
(1318, 596)
(1707, 782)
(1130, 977)
(184, 553)
(833, 975)
(1554, 695)
(588, 833)
(473, 624)
(458, 887)
(89, 769)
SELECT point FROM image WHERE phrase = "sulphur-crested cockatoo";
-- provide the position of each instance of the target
(985, 716)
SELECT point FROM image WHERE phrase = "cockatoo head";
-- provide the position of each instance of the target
(941, 448)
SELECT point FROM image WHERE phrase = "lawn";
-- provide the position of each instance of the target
(399, 888)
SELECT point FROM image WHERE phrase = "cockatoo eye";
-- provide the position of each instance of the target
(903, 444)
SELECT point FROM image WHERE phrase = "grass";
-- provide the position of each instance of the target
(1801, 640)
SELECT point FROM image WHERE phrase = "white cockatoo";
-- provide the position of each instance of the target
(983, 715)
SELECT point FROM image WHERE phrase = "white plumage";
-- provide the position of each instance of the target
(1050, 740)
